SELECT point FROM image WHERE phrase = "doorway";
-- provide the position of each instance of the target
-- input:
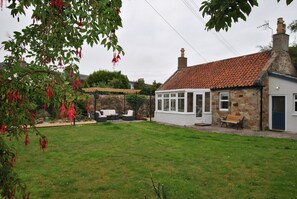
(278, 112)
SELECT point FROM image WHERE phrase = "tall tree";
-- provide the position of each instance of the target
(43, 64)
(103, 78)
(224, 13)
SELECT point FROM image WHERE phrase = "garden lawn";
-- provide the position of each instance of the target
(117, 161)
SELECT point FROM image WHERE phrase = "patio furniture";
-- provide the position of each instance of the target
(110, 114)
(99, 117)
(129, 116)
(233, 119)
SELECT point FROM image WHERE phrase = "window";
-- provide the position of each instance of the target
(224, 101)
(159, 102)
(207, 102)
(181, 102)
(173, 102)
(190, 102)
(295, 102)
(166, 102)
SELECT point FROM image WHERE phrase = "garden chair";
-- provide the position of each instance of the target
(129, 116)
(99, 117)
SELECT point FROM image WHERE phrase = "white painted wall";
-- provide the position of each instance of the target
(181, 119)
(284, 87)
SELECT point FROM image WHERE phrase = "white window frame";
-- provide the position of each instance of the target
(181, 98)
(224, 100)
(209, 102)
(173, 99)
(295, 103)
(159, 98)
(166, 102)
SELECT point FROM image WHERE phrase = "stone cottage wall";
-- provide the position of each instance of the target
(265, 106)
(117, 102)
(245, 102)
(283, 64)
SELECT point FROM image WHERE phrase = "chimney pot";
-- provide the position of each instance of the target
(280, 39)
(182, 60)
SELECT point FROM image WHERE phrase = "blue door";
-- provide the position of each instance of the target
(278, 112)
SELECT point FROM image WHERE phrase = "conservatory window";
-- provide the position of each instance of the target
(181, 102)
(190, 102)
(173, 102)
(166, 102)
(159, 102)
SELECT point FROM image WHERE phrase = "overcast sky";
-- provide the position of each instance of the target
(154, 31)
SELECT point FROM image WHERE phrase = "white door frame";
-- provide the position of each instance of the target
(270, 110)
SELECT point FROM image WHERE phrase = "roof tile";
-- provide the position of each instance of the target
(234, 72)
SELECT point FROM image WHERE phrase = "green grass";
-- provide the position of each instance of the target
(117, 161)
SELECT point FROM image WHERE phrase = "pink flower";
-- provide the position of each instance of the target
(80, 24)
(71, 112)
(49, 92)
(62, 110)
(3, 129)
(116, 58)
(43, 143)
(88, 108)
(76, 84)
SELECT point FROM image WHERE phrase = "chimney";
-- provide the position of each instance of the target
(182, 60)
(280, 39)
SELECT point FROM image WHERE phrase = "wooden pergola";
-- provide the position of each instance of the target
(96, 90)
(110, 90)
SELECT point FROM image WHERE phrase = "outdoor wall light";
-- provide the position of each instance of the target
(277, 88)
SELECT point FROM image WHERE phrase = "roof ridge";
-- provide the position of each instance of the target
(231, 58)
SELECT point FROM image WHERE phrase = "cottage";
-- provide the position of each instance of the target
(261, 87)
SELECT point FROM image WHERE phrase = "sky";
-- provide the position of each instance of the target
(154, 31)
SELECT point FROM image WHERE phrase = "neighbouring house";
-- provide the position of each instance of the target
(262, 87)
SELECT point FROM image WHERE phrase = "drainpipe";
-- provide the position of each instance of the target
(261, 107)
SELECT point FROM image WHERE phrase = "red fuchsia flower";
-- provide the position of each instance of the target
(43, 143)
(116, 58)
(57, 4)
(88, 108)
(25, 128)
(49, 92)
(80, 24)
(71, 112)
(27, 141)
(9, 95)
(32, 117)
(15, 96)
(3, 129)
(62, 110)
(76, 84)
(60, 64)
(44, 106)
(76, 52)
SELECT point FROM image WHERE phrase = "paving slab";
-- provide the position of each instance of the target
(246, 132)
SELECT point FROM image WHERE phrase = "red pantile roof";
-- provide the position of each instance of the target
(234, 72)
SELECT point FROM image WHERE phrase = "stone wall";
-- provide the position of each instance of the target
(245, 102)
(283, 64)
(121, 106)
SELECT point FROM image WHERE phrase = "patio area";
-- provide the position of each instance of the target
(246, 132)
